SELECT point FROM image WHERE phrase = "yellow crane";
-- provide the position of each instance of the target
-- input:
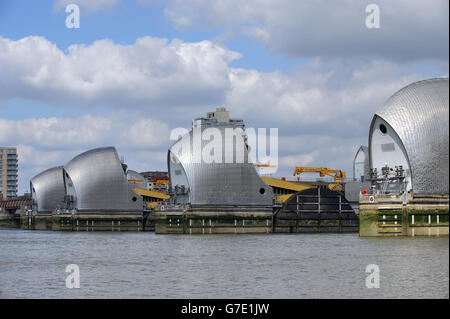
(337, 174)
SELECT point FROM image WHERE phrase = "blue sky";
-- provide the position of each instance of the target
(136, 69)
(124, 24)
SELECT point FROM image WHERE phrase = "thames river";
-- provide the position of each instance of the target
(145, 265)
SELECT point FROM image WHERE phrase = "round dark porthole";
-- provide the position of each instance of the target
(383, 128)
(262, 191)
(134, 199)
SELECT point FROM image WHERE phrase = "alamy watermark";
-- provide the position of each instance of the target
(73, 19)
(373, 17)
(73, 279)
(227, 145)
(373, 279)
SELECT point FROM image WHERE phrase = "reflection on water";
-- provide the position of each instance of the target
(145, 265)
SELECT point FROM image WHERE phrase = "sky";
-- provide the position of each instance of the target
(134, 70)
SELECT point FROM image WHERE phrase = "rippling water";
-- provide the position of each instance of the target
(145, 265)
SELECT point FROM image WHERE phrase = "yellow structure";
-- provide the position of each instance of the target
(151, 198)
(287, 185)
(284, 189)
(282, 198)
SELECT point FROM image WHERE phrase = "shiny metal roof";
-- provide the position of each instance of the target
(48, 189)
(100, 182)
(419, 114)
(217, 184)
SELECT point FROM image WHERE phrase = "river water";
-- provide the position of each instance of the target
(145, 265)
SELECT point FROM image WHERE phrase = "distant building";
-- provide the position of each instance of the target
(221, 117)
(156, 180)
(155, 175)
(8, 172)
(18, 205)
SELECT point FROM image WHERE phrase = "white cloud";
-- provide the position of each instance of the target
(322, 96)
(146, 133)
(298, 159)
(32, 157)
(151, 72)
(85, 131)
(168, 79)
(408, 29)
(54, 132)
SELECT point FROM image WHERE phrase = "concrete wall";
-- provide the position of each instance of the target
(213, 222)
(396, 215)
(78, 222)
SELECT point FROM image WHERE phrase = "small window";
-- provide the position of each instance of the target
(383, 128)
(262, 191)
(134, 198)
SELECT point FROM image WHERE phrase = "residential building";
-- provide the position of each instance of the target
(8, 173)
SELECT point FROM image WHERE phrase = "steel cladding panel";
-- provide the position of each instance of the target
(219, 182)
(100, 182)
(419, 114)
(48, 189)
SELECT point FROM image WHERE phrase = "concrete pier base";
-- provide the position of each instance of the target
(76, 222)
(94, 222)
(37, 222)
(213, 222)
(393, 215)
(9, 221)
